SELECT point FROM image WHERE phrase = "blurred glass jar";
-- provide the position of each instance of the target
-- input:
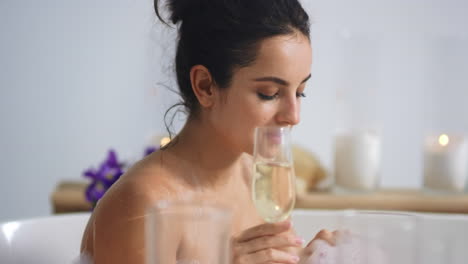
(188, 232)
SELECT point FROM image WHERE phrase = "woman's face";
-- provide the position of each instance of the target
(268, 92)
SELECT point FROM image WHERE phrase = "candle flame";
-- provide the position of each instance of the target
(164, 141)
(444, 140)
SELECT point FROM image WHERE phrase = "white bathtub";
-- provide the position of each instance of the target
(56, 239)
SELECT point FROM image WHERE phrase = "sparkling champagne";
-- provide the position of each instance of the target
(273, 190)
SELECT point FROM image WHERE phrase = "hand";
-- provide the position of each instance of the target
(323, 240)
(266, 243)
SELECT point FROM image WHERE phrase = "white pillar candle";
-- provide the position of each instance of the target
(445, 163)
(357, 160)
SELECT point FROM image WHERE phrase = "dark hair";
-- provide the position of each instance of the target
(223, 35)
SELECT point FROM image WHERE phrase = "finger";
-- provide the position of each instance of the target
(327, 236)
(342, 232)
(267, 229)
(270, 255)
(343, 236)
(313, 246)
(265, 242)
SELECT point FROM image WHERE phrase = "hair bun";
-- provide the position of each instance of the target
(181, 9)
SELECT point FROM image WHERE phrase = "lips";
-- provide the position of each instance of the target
(273, 137)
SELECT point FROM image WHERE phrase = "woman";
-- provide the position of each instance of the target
(239, 64)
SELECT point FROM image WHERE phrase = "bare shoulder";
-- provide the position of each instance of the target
(150, 179)
(118, 220)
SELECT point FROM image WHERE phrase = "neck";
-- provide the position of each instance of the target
(209, 155)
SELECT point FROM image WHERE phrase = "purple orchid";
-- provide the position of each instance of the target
(150, 150)
(107, 174)
(103, 177)
(94, 192)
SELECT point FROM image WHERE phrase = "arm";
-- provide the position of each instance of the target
(119, 226)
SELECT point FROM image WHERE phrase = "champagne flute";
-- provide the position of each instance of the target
(273, 187)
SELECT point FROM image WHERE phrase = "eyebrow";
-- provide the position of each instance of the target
(278, 80)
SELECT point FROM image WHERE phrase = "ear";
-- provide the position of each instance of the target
(202, 85)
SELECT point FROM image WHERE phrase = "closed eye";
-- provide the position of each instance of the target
(300, 95)
(271, 97)
(267, 97)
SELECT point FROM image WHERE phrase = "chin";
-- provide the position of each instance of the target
(249, 149)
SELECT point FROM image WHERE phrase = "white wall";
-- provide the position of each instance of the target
(409, 57)
(76, 79)
(79, 77)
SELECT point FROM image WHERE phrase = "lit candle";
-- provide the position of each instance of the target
(357, 160)
(159, 140)
(446, 163)
(164, 141)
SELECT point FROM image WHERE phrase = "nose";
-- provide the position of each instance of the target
(289, 112)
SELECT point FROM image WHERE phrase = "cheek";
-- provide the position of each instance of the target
(253, 115)
(240, 114)
(256, 114)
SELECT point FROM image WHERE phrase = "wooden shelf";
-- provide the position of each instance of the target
(69, 196)
(391, 199)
